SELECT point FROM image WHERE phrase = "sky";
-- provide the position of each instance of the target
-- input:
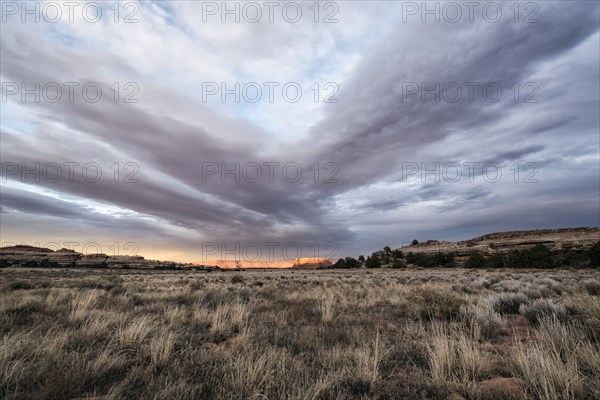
(194, 131)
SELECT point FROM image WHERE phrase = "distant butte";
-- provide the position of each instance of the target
(555, 240)
(299, 263)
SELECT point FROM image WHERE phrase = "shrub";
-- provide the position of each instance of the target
(396, 254)
(594, 254)
(495, 261)
(571, 258)
(414, 242)
(378, 254)
(411, 258)
(541, 256)
(476, 260)
(592, 286)
(422, 260)
(352, 262)
(433, 304)
(543, 308)
(373, 262)
(537, 257)
(348, 262)
(19, 285)
(443, 260)
(482, 318)
(237, 279)
(507, 303)
(430, 261)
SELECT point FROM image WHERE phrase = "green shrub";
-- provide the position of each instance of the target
(495, 261)
(476, 260)
(396, 254)
(443, 260)
(541, 256)
(399, 263)
(594, 255)
(430, 261)
(352, 262)
(571, 258)
(373, 262)
(537, 257)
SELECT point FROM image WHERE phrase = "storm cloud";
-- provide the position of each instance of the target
(420, 143)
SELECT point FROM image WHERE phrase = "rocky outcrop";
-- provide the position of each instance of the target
(127, 262)
(557, 240)
(29, 256)
(312, 263)
(92, 261)
(244, 264)
(302, 263)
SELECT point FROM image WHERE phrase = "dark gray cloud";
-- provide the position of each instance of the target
(24, 202)
(519, 153)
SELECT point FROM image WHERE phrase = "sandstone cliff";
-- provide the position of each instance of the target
(578, 239)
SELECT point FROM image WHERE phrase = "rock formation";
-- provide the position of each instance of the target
(312, 263)
(303, 263)
(556, 240)
(29, 256)
(246, 264)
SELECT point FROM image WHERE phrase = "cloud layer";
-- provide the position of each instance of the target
(385, 164)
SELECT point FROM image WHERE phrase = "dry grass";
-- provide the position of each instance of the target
(133, 332)
(161, 347)
(558, 362)
(360, 334)
(327, 307)
(457, 357)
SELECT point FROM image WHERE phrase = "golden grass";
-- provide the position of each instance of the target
(376, 334)
(161, 347)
